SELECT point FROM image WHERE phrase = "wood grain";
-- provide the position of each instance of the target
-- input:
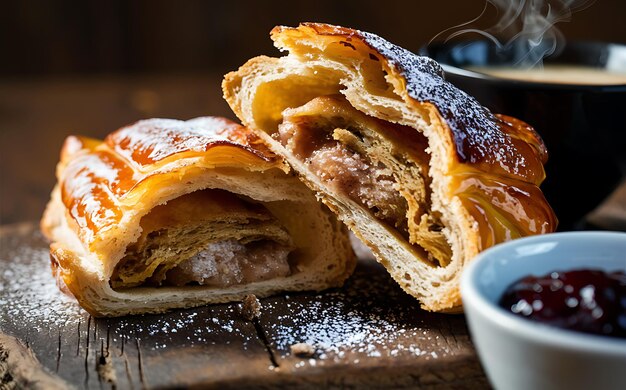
(19, 368)
(367, 334)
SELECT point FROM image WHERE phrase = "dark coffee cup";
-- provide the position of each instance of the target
(583, 125)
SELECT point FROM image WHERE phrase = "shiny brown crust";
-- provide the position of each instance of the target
(481, 139)
(105, 188)
(484, 171)
(99, 175)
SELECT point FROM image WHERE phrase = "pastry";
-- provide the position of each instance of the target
(167, 214)
(417, 169)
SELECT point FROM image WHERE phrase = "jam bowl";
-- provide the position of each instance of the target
(520, 353)
(581, 119)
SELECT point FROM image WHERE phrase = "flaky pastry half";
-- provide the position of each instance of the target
(168, 214)
(416, 168)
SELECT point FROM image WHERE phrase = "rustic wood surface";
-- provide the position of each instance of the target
(367, 334)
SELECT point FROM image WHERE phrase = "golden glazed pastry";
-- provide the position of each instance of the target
(419, 170)
(166, 214)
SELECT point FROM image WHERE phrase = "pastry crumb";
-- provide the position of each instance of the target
(302, 350)
(251, 307)
(105, 369)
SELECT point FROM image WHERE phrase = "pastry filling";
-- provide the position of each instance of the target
(229, 262)
(365, 159)
(208, 238)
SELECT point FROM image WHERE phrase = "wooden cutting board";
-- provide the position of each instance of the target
(367, 334)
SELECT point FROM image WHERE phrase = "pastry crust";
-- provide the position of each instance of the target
(344, 101)
(109, 192)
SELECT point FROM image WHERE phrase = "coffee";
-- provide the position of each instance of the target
(559, 74)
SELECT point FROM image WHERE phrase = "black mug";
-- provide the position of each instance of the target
(583, 126)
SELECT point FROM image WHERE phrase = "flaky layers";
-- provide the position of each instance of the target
(166, 214)
(420, 171)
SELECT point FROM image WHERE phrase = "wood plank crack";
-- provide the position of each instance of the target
(142, 377)
(78, 339)
(58, 351)
(263, 337)
(250, 310)
(129, 376)
(87, 353)
(123, 342)
(105, 368)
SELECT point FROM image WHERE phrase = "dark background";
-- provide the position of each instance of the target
(89, 67)
(116, 36)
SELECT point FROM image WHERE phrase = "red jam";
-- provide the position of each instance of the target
(589, 301)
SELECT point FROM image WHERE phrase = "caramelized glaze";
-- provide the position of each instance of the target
(148, 142)
(499, 159)
(98, 175)
(503, 208)
(491, 143)
(89, 187)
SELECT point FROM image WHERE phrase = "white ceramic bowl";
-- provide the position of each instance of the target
(518, 353)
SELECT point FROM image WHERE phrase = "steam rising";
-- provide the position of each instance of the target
(525, 28)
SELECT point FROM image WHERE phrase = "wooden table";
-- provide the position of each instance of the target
(368, 333)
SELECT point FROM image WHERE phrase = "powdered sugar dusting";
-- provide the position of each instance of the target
(213, 325)
(152, 140)
(32, 297)
(370, 318)
(339, 331)
(367, 321)
(475, 129)
(30, 301)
